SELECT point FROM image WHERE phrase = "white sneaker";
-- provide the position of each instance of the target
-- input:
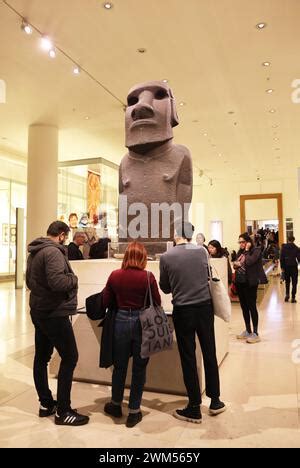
(243, 336)
(253, 338)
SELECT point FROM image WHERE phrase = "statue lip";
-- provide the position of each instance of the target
(140, 122)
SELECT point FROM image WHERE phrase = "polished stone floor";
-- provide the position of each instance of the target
(260, 385)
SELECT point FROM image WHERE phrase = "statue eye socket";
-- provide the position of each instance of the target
(161, 94)
(132, 100)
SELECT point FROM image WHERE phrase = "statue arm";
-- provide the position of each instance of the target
(185, 180)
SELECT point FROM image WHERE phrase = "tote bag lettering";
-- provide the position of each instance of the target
(157, 333)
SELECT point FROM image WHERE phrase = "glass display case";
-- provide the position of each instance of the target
(154, 249)
(88, 195)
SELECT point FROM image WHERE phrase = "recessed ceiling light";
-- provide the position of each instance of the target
(205, 134)
(272, 111)
(76, 70)
(107, 5)
(26, 27)
(182, 104)
(87, 118)
(266, 64)
(270, 91)
(261, 25)
(276, 139)
(220, 155)
(142, 50)
(165, 81)
(52, 53)
(46, 44)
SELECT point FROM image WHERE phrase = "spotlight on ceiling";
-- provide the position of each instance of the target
(266, 64)
(261, 25)
(270, 91)
(107, 5)
(52, 53)
(26, 27)
(76, 70)
(46, 44)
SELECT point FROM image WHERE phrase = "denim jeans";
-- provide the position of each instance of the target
(127, 342)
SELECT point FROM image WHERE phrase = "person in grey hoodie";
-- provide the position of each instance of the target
(53, 299)
(184, 273)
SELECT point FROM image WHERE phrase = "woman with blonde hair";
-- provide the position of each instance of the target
(127, 288)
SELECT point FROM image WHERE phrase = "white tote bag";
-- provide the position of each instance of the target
(219, 295)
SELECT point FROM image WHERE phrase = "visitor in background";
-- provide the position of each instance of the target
(100, 248)
(74, 252)
(289, 259)
(127, 288)
(200, 240)
(53, 299)
(184, 274)
(249, 273)
(216, 251)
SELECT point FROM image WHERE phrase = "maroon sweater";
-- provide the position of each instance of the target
(128, 288)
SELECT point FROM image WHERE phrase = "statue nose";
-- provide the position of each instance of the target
(142, 111)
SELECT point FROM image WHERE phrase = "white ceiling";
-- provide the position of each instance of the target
(210, 51)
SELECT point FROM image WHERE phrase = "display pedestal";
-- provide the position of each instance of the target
(164, 369)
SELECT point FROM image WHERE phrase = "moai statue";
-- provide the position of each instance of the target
(155, 175)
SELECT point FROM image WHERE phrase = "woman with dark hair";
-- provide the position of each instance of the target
(127, 287)
(216, 251)
(249, 273)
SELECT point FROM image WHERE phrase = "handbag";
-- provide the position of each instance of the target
(157, 332)
(94, 306)
(219, 296)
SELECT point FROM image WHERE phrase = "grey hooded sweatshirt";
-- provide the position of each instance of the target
(52, 283)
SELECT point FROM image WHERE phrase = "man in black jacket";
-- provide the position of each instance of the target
(289, 259)
(74, 253)
(53, 298)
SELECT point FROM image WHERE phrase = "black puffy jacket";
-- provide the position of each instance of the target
(52, 283)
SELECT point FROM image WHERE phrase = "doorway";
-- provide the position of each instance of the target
(261, 209)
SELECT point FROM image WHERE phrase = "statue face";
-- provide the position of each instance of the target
(150, 115)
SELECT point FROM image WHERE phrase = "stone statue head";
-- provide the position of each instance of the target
(150, 116)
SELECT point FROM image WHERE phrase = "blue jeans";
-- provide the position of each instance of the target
(127, 342)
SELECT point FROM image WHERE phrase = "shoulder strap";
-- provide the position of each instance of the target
(148, 291)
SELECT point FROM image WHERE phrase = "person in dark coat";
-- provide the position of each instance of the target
(289, 259)
(100, 248)
(53, 298)
(249, 273)
(74, 252)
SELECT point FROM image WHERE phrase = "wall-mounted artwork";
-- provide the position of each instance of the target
(93, 193)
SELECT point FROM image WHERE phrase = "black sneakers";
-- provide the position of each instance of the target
(190, 414)
(71, 418)
(216, 407)
(46, 411)
(133, 419)
(293, 300)
(113, 410)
